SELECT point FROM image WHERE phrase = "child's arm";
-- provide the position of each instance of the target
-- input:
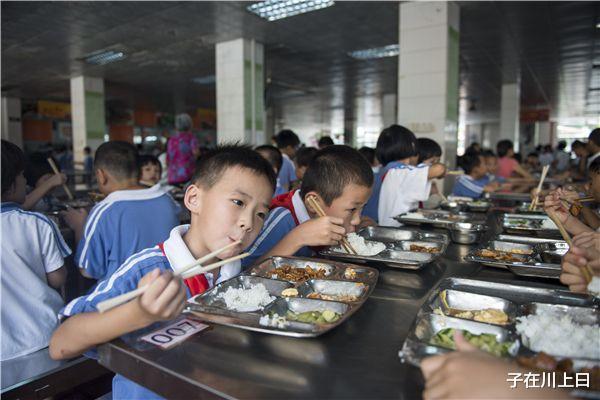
(590, 218)
(57, 278)
(524, 173)
(48, 182)
(436, 170)
(571, 224)
(322, 231)
(163, 300)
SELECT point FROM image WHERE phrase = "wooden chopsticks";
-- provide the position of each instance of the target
(455, 172)
(315, 205)
(587, 272)
(57, 172)
(186, 272)
(534, 202)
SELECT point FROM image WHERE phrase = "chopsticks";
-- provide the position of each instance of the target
(345, 244)
(455, 172)
(186, 272)
(534, 202)
(57, 172)
(587, 199)
(587, 273)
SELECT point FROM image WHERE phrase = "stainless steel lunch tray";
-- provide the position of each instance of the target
(523, 208)
(526, 239)
(552, 252)
(460, 294)
(527, 230)
(396, 254)
(467, 301)
(208, 307)
(480, 208)
(437, 218)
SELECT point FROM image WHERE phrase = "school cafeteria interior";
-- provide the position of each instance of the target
(316, 199)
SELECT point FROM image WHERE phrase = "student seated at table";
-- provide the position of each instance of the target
(32, 268)
(130, 218)
(340, 179)
(150, 170)
(228, 200)
(403, 183)
(304, 156)
(508, 166)
(274, 157)
(430, 152)
(287, 142)
(554, 203)
(370, 209)
(41, 182)
(475, 182)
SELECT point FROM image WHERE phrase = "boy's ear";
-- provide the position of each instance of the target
(319, 199)
(101, 177)
(193, 198)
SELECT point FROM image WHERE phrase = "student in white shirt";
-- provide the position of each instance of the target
(403, 184)
(33, 271)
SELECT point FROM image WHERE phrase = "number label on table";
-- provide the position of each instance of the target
(175, 333)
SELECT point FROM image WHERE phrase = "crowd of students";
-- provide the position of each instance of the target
(133, 237)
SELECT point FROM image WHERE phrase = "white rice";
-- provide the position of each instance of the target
(594, 286)
(548, 224)
(362, 246)
(559, 336)
(245, 300)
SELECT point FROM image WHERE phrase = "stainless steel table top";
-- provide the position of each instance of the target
(359, 359)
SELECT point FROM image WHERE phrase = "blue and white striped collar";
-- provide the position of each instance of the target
(135, 194)
(9, 206)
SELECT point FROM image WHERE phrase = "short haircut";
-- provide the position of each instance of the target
(87, 149)
(146, 159)
(594, 167)
(211, 167)
(325, 141)
(503, 147)
(305, 155)
(469, 162)
(368, 153)
(36, 167)
(427, 148)
(396, 143)
(183, 122)
(119, 158)
(577, 144)
(272, 155)
(562, 145)
(488, 153)
(332, 169)
(13, 163)
(595, 137)
(286, 138)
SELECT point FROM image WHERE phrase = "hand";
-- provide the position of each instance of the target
(53, 180)
(587, 240)
(571, 274)
(75, 218)
(534, 193)
(164, 299)
(366, 221)
(322, 231)
(552, 203)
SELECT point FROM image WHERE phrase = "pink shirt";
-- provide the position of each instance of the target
(506, 167)
(180, 157)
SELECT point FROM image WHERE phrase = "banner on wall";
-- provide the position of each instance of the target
(54, 109)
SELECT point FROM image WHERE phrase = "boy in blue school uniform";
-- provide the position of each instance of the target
(475, 182)
(32, 268)
(130, 218)
(234, 183)
(341, 180)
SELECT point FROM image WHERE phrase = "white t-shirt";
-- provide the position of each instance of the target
(31, 246)
(402, 188)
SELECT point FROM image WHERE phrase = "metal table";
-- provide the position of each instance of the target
(359, 359)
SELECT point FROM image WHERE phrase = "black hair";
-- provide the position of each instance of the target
(518, 157)
(595, 136)
(325, 141)
(332, 169)
(272, 155)
(577, 144)
(469, 162)
(533, 154)
(286, 138)
(503, 147)
(594, 166)
(395, 143)
(87, 149)
(427, 148)
(37, 166)
(488, 153)
(13, 163)
(305, 155)
(211, 167)
(146, 159)
(368, 153)
(561, 145)
(119, 158)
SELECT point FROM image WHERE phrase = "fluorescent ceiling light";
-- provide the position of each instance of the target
(205, 80)
(376, 52)
(276, 9)
(104, 57)
(598, 25)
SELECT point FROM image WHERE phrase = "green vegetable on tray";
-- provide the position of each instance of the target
(485, 341)
(313, 317)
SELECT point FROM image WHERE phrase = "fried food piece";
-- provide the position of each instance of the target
(423, 249)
